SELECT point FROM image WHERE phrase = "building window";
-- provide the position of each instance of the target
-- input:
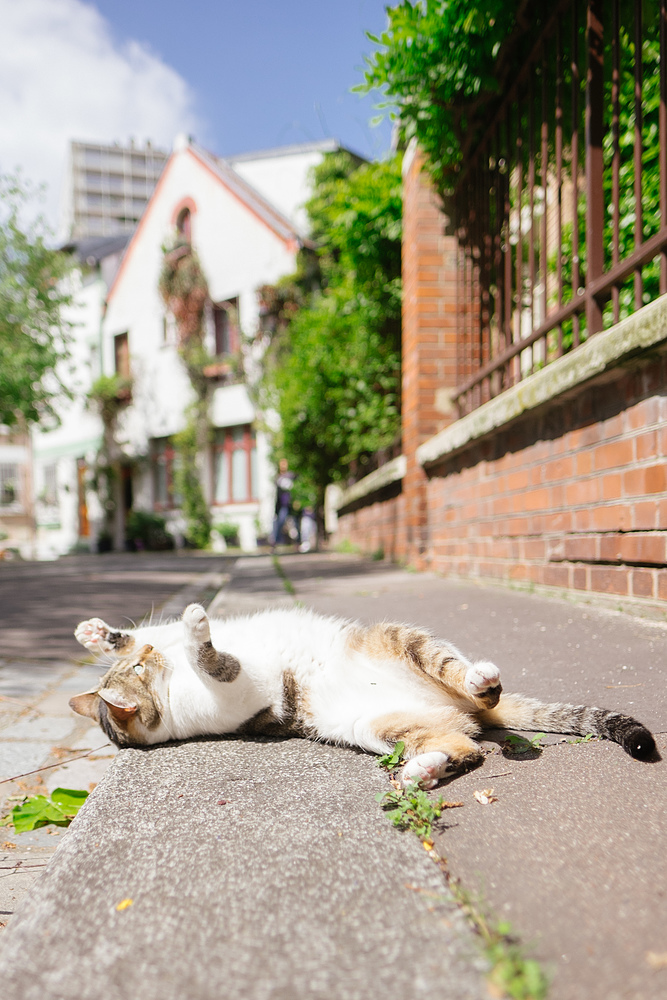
(10, 488)
(164, 462)
(184, 225)
(50, 491)
(121, 351)
(234, 465)
(225, 322)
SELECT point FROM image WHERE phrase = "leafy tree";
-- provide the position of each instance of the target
(33, 295)
(440, 63)
(333, 367)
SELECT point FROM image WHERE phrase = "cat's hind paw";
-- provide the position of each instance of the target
(482, 682)
(425, 770)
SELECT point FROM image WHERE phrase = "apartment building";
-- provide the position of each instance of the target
(107, 187)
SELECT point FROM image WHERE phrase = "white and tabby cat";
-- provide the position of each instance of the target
(294, 672)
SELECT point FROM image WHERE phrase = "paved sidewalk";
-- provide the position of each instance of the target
(255, 868)
(264, 869)
(42, 666)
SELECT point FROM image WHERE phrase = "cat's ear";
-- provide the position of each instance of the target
(86, 704)
(119, 706)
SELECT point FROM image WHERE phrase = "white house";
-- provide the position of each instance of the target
(246, 222)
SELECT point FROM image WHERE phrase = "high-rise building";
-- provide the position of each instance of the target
(108, 187)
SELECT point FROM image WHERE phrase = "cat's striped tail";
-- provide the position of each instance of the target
(518, 712)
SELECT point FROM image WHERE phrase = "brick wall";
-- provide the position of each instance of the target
(573, 497)
(378, 526)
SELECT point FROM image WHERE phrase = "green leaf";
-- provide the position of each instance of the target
(38, 810)
(70, 800)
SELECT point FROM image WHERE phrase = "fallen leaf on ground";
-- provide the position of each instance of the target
(657, 960)
(485, 796)
(449, 805)
(124, 903)
(8, 846)
(428, 844)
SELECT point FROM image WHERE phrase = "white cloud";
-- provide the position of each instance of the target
(62, 77)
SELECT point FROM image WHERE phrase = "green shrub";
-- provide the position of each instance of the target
(229, 531)
(145, 530)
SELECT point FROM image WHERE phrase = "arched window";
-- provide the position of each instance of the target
(184, 224)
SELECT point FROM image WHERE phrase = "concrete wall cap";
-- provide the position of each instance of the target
(387, 474)
(644, 329)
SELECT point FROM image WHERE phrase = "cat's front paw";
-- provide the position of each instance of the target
(482, 683)
(94, 635)
(196, 623)
(425, 770)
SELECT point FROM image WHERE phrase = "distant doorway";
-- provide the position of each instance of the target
(84, 524)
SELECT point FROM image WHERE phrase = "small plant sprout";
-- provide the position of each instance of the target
(584, 739)
(519, 744)
(393, 759)
(410, 808)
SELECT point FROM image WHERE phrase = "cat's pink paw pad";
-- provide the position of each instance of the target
(195, 619)
(483, 682)
(94, 634)
(425, 770)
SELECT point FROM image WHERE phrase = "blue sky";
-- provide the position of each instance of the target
(237, 76)
(264, 73)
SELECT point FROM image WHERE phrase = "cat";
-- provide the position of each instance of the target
(294, 672)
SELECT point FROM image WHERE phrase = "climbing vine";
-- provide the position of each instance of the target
(184, 289)
(108, 395)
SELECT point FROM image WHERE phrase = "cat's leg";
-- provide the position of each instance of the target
(475, 683)
(99, 637)
(436, 743)
(201, 654)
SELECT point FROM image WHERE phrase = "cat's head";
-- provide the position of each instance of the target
(128, 701)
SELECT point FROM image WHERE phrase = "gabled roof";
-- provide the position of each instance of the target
(249, 195)
(267, 213)
(317, 146)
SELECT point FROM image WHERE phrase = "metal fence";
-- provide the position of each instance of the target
(561, 212)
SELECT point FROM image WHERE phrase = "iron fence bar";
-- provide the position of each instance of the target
(506, 237)
(519, 241)
(559, 176)
(663, 137)
(616, 150)
(531, 202)
(638, 284)
(594, 161)
(497, 229)
(576, 86)
(544, 179)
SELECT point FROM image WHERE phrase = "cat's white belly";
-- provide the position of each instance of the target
(198, 707)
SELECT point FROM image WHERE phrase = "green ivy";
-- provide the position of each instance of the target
(184, 289)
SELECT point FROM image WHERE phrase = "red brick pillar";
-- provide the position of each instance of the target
(429, 341)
